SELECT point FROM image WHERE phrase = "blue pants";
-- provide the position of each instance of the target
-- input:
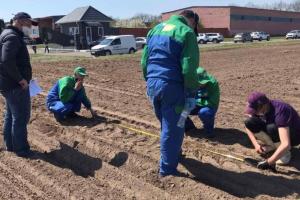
(167, 99)
(17, 116)
(206, 115)
(61, 110)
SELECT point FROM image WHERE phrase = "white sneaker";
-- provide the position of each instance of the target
(284, 160)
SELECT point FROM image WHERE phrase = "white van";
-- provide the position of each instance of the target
(119, 44)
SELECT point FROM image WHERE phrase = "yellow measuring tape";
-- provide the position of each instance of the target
(138, 131)
(225, 155)
(157, 136)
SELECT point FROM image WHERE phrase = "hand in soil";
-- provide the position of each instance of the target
(264, 165)
(93, 113)
(260, 149)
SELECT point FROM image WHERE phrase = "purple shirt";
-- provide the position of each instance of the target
(283, 115)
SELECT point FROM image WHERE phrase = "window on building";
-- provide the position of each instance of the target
(73, 30)
(291, 19)
(100, 31)
(242, 17)
(270, 18)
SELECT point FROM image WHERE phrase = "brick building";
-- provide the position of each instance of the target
(49, 22)
(233, 19)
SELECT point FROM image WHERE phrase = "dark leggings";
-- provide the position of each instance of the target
(255, 125)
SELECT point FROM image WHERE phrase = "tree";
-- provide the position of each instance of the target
(148, 20)
(251, 5)
(2, 25)
(138, 21)
(296, 6)
(279, 5)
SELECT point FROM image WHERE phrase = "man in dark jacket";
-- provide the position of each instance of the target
(15, 74)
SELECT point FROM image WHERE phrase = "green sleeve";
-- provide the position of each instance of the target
(144, 61)
(86, 102)
(190, 62)
(66, 89)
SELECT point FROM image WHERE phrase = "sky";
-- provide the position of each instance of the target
(113, 8)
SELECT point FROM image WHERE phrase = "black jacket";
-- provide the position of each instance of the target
(14, 59)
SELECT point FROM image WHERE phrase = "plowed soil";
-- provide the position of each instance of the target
(86, 158)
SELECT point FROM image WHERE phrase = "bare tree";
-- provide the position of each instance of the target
(2, 25)
(251, 5)
(279, 5)
(295, 6)
(148, 20)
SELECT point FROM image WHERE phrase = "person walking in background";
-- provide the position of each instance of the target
(46, 46)
(33, 46)
(169, 62)
(15, 74)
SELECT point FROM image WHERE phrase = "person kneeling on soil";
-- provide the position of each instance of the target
(276, 125)
(66, 96)
(207, 102)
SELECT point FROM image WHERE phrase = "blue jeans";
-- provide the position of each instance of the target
(17, 116)
(206, 115)
(167, 100)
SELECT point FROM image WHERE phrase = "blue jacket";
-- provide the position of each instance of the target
(172, 53)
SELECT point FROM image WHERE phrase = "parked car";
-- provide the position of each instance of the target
(96, 42)
(120, 44)
(242, 37)
(140, 42)
(202, 38)
(293, 34)
(258, 35)
(215, 37)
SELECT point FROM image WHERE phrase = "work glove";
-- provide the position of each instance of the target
(190, 104)
(264, 165)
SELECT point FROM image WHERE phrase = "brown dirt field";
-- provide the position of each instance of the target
(98, 159)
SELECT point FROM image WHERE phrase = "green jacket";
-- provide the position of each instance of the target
(209, 94)
(172, 53)
(66, 91)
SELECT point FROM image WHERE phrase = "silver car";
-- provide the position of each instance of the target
(258, 35)
(293, 34)
(215, 37)
(202, 38)
(140, 42)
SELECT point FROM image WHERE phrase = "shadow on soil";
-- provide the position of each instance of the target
(81, 164)
(225, 136)
(70, 158)
(119, 159)
(245, 184)
(295, 158)
(88, 122)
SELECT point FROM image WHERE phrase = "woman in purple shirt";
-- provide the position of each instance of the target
(272, 126)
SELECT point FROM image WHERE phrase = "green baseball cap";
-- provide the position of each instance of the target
(203, 77)
(80, 71)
